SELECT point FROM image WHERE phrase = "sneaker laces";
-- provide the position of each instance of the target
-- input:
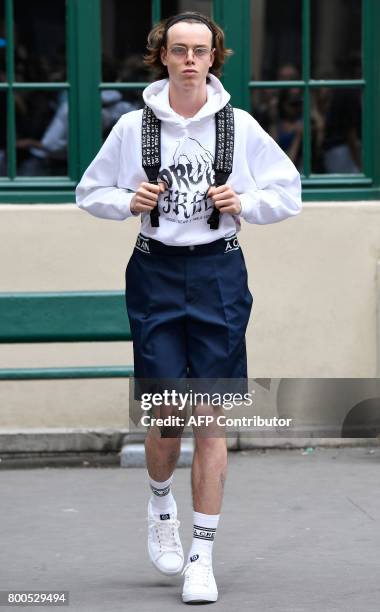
(167, 534)
(200, 570)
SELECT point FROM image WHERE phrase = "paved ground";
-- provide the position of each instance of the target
(299, 533)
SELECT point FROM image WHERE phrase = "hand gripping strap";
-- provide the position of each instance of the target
(151, 153)
(224, 154)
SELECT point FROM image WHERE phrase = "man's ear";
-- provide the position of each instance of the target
(163, 54)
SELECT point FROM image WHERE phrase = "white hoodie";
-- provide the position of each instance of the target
(267, 182)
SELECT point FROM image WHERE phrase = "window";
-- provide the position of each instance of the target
(318, 121)
(306, 69)
(34, 94)
(312, 82)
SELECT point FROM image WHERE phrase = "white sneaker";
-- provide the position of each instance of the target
(164, 546)
(199, 585)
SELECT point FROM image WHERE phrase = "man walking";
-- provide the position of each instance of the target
(192, 167)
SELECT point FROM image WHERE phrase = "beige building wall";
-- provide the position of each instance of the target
(313, 278)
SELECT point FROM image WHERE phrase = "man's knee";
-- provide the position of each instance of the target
(167, 422)
(210, 445)
(206, 423)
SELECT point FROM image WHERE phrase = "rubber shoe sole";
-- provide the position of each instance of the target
(196, 598)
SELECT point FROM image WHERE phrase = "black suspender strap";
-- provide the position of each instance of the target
(151, 153)
(224, 154)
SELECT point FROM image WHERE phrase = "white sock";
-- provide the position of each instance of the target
(162, 498)
(204, 529)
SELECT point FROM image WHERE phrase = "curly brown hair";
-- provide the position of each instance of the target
(157, 40)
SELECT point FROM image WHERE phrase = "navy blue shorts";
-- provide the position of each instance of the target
(188, 309)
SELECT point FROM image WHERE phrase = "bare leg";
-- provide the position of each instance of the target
(161, 455)
(208, 475)
(162, 449)
(209, 469)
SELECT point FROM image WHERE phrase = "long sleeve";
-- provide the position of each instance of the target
(278, 193)
(97, 192)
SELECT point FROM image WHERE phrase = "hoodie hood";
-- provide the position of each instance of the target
(156, 96)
